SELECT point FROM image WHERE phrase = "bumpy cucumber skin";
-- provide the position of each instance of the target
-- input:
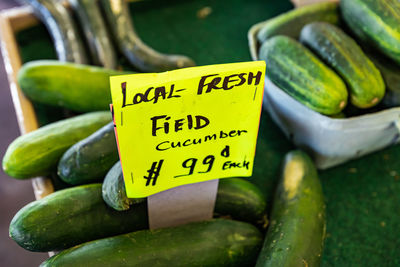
(291, 22)
(212, 243)
(94, 28)
(342, 54)
(296, 233)
(62, 29)
(376, 22)
(114, 192)
(298, 72)
(89, 160)
(241, 200)
(37, 153)
(138, 53)
(70, 217)
(76, 87)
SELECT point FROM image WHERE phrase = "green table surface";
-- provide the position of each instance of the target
(362, 196)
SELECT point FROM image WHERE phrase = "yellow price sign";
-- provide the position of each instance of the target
(187, 126)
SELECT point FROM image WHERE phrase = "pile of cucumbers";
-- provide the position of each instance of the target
(347, 52)
(107, 32)
(92, 222)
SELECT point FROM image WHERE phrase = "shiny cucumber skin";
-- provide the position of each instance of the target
(241, 200)
(132, 47)
(62, 29)
(236, 198)
(298, 72)
(89, 160)
(211, 243)
(291, 22)
(80, 88)
(100, 46)
(341, 53)
(37, 153)
(296, 233)
(114, 192)
(70, 217)
(376, 22)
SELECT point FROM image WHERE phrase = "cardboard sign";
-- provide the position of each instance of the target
(187, 126)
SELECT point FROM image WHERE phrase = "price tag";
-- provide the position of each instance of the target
(187, 126)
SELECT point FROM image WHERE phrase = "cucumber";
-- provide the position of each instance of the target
(211, 243)
(89, 160)
(342, 54)
(291, 22)
(77, 87)
(236, 198)
(375, 22)
(70, 217)
(391, 75)
(37, 153)
(299, 73)
(94, 28)
(132, 47)
(114, 192)
(241, 200)
(62, 29)
(295, 236)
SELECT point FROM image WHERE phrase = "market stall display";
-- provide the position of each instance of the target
(351, 190)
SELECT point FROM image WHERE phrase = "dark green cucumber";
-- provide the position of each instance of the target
(75, 215)
(139, 54)
(62, 29)
(114, 192)
(89, 160)
(77, 87)
(342, 54)
(375, 22)
(241, 200)
(37, 153)
(70, 217)
(296, 234)
(211, 243)
(391, 75)
(291, 22)
(303, 76)
(236, 198)
(95, 31)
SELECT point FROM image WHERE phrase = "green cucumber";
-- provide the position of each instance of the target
(342, 54)
(114, 192)
(89, 160)
(391, 75)
(95, 31)
(211, 243)
(236, 198)
(299, 73)
(138, 54)
(75, 215)
(241, 200)
(62, 29)
(70, 217)
(375, 22)
(37, 153)
(77, 87)
(291, 22)
(296, 234)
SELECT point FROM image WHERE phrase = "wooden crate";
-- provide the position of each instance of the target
(12, 21)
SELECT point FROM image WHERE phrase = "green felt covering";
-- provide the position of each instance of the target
(362, 196)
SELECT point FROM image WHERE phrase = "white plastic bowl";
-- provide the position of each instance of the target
(329, 141)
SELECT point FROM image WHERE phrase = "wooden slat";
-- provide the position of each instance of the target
(26, 117)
